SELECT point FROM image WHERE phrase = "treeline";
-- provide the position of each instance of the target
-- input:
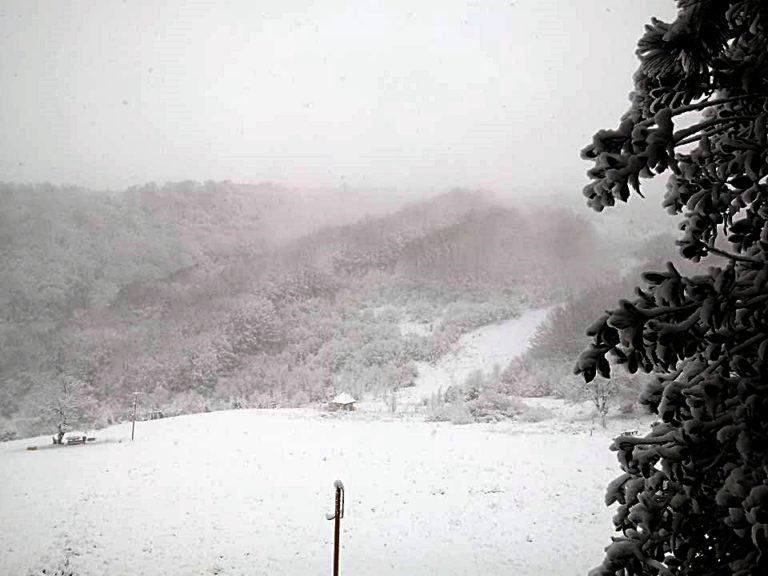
(546, 369)
(202, 296)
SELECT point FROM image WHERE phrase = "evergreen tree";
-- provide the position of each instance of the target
(693, 498)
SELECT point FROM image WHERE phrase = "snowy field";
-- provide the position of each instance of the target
(246, 492)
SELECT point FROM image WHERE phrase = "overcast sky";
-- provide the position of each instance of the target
(407, 94)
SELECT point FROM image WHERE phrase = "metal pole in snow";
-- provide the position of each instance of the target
(133, 422)
(337, 516)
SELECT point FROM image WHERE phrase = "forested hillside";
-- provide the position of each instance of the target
(201, 296)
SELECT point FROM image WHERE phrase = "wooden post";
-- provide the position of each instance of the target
(338, 515)
(133, 422)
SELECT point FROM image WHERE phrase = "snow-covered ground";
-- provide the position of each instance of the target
(483, 349)
(246, 492)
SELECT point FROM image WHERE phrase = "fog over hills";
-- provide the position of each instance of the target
(206, 295)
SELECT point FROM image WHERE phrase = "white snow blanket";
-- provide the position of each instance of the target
(246, 492)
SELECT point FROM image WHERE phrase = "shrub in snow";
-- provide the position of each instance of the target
(693, 498)
(535, 378)
(491, 406)
(454, 412)
(473, 384)
(522, 378)
(7, 431)
(188, 402)
(535, 413)
(64, 403)
(476, 400)
(389, 398)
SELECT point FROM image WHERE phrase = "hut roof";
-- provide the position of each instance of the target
(343, 398)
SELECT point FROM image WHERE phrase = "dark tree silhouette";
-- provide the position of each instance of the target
(693, 498)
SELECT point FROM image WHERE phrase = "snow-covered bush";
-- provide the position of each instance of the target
(535, 413)
(188, 402)
(477, 399)
(456, 412)
(8, 430)
(491, 405)
(523, 378)
(64, 403)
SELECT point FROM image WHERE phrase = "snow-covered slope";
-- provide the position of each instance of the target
(482, 349)
(245, 492)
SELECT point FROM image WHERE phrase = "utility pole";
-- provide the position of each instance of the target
(133, 422)
(336, 517)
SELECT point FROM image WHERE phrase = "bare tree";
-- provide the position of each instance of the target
(65, 402)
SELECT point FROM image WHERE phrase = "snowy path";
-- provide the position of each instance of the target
(245, 492)
(481, 349)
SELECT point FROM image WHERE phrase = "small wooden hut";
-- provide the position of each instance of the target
(343, 402)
